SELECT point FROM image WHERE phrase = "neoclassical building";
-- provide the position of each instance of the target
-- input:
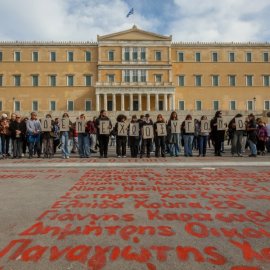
(134, 70)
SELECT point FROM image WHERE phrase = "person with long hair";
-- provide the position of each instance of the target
(173, 138)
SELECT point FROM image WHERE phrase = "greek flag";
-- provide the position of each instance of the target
(130, 12)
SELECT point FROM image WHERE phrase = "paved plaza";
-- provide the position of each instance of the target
(110, 214)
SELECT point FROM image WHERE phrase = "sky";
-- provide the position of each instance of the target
(185, 20)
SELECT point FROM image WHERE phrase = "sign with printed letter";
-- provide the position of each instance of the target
(175, 126)
(148, 132)
(240, 123)
(80, 126)
(46, 124)
(205, 126)
(221, 124)
(134, 129)
(161, 129)
(189, 126)
(122, 128)
(104, 127)
(64, 124)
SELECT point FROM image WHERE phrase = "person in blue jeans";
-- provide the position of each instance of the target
(65, 138)
(173, 138)
(83, 140)
(252, 135)
(188, 137)
(203, 137)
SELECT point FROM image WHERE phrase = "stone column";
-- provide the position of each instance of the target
(165, 102)
(114, 102)
(170, 102)
(156, 102)
(97, 103)
(105, 102)
(148, 103)
(173, 102)
(122, 102)
(140, 102)
(131, 102)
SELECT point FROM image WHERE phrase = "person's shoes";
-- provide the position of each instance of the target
(252, 155)
(119, 156)
(240, 155)
(93, 151)
(105, 156)
(124, 156)
(67, 157)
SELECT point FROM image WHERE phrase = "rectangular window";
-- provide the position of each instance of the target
(53, 56)
(87, 56)
(232, 105)
(143, 75)
(214, 56)
(111, 56)
(250, 105)
(17, 56)
(52, 80)
(1, 56)
(70, 105)
(266, 80)
(158, 78)
(232, 80)
(215, 105)
(181, 80)
(158, 55)
(34, 80)
(231, 57)
(52, 105)
(180, 57)
(35, 105)
(198, 105)
(267, 106)
(126, 54)
(70, 80)
(17, 80)
(215, 80)
(1, 105)
(143, 54)
(248, 57)
(1, 80)
(35, 57)
(181, 105)
(127, 76)
(135, 54)
(88, 80)
(249, 80)
(88, 105)
(70, 56)
(198, 80)
(17, 106)
(265, 57)
(135, 76)
(198, 57)
(110, 78)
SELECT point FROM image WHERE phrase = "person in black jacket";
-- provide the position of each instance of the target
(134, 141)
(146, 142)
(121, 141)
(17, 132)
(159, 140)
(103, 139)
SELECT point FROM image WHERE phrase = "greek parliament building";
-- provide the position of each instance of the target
(134, 70)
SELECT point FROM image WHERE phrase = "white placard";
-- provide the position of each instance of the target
(134, 129)
(64, 124)
(175, 126)
(80, 126)
(221, 124)
(122, 128)
(148, 132)
(240, 123)
(205, 126)
(104, 127)
(189, 126)
(46, 124)
(161, 129)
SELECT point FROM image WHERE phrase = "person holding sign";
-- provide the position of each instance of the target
(120, 131)
(204, 129)
(160, 134)
(174, 135)
(47, 136)
(134, 136)
(147, 135)
(187, 130)
(237, 127)
(83, 137)
(103, 125)
(65, 130)
(252, 135)
(217, 132)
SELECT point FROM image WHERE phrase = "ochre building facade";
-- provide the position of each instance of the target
(131, 71)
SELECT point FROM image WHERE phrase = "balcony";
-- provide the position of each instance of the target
(134, 84)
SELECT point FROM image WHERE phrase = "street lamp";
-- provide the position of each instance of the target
(254, 102)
